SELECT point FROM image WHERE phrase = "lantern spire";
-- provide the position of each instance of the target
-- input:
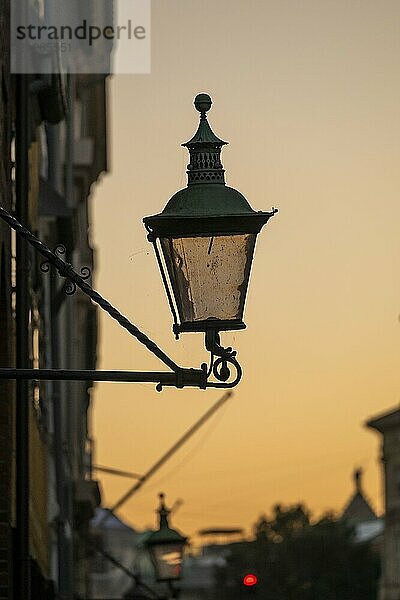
(204, 149)
(163, 512)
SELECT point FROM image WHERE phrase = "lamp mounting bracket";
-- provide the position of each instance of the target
(178, 376)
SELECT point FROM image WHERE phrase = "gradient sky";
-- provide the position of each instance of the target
(307, 93)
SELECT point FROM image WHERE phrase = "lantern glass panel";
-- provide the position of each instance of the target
(209, 275)
(167, 560)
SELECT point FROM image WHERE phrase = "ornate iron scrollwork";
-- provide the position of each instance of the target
(65, 269)
(221, 368)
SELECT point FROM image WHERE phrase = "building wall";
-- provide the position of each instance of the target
(64, 218)
(120, 541)
(62, 491)
(391, 556)
(39, 525)
(388, 425)
(6, 324)
(38, 446)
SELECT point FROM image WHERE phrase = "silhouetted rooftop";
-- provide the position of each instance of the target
(112, 521)
(358, 510)
(385, 421)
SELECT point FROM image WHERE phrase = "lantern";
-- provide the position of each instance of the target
(166, 547)
(207, 234)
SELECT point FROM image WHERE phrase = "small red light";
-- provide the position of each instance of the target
(250, 579)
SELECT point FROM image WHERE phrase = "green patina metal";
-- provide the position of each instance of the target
(206, 206)
(204, 134)
(164, 534)
(207, 209)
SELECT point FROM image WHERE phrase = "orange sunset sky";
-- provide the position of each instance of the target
(307, 94)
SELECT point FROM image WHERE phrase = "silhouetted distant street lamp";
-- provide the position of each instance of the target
(166, 548)
(207, 234)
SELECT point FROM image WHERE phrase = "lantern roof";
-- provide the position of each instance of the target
(206, 206)
(164, 535)
(209, 210)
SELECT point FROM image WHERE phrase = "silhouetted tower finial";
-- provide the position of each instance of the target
(358, 473)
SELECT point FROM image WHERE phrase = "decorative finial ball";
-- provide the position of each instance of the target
(202, 103)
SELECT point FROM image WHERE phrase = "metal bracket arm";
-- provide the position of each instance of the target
(182, 378)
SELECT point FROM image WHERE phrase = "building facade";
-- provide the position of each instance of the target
(388, 425)
(112, 536)
(7, 349)
(66, 147)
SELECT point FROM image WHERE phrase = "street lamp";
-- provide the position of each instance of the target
(166, 548)
(207, 234)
